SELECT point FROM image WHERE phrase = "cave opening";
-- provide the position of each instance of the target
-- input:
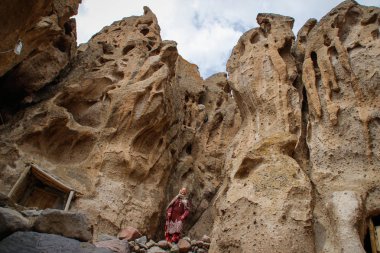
(10, 96)
(37, 188)
(189, 148)
(372, 237)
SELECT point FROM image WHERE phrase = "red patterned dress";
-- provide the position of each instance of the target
(176, 213)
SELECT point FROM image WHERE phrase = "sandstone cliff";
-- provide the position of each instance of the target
(341, 73)
(281, 156)
(267, 196)
(127, 127)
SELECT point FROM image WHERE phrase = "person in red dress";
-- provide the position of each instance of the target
(176, 212)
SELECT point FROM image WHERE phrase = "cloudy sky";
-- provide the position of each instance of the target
(205, 30)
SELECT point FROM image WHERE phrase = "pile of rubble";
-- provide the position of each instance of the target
(141, 244)
(53, 230)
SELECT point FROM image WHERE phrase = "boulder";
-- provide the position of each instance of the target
(206, 245)
(184, 246)
(141, 240)
(206, 238)
(69, 224)
(5, 201)
(150, 244)
(33, 242)
(12, 221)
(174, 249)
(187, 238)
(163, 244)
(105, 237)
(116, 245)
(129, 233)
(156, 249)
(31, 213)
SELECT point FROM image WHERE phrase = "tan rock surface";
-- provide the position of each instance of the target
(48, 36)
(341, 72)
(129, 233)
(266, 198)
(281, 156)
(130, 124)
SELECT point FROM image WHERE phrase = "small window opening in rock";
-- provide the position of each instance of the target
(160, 142)
(144, 31)
(255, 37)
(62, 44)
(372, 238)
(127, 49)
(187, 98)
(68, 28)
(326, 40)
(219, 102)
(189, 148)
(314, 58)
(202, 98)
(36, 188)
(205, 119)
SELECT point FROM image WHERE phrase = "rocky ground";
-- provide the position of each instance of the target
(51, 230)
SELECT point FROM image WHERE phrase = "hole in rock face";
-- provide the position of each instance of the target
(266, 27)
(285, 50)
(62, 44)
(144, 31)
(12, 92)
(189, 148)
(314, 58)
(219, 102)
(375, 34)
(202, 98)
(255, 37)
(68, 28)
(242, 48)
(127, 49)
(326, 40)
(372, 237)
(370, 20)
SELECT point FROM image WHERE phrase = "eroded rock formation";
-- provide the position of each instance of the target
(267, 196)
(127, 127)
(48, 38)
(281, 156)
(341, 72)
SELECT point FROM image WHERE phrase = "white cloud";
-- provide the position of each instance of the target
(206, 31)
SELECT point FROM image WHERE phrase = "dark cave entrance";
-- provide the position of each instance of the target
(36, 188)
(372, 238)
